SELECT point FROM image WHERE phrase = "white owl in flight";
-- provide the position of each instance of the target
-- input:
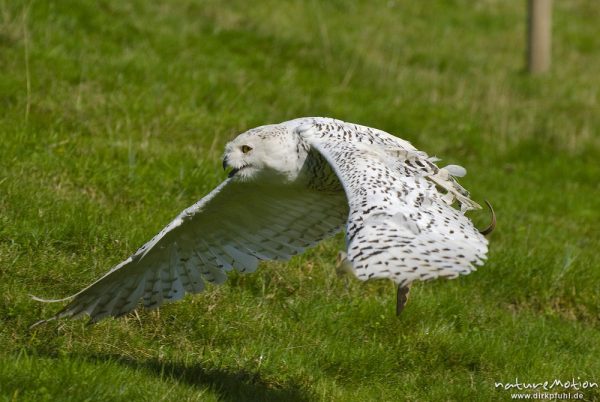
(292, 185)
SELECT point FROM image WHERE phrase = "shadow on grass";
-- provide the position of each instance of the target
(237, 385)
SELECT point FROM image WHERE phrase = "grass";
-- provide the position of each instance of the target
(114, 116)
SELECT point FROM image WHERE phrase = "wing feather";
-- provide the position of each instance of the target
(234, 227)
(245, 262)
(401, 223)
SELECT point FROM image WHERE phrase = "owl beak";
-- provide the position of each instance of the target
(226, 165)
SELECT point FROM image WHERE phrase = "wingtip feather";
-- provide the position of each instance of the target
(39, 299)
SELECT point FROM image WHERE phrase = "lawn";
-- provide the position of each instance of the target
(113, 117)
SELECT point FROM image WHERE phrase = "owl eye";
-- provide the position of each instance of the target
(245, 149)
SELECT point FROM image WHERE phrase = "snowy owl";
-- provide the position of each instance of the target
(290, 186)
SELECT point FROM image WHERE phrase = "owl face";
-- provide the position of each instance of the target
(262, 153)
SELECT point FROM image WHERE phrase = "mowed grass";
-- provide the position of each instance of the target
(113, 117)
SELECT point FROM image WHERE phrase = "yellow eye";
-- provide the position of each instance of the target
(245, 149)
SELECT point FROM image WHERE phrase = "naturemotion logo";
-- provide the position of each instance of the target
(573, 384)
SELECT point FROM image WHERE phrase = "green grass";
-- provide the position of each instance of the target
(113, 116)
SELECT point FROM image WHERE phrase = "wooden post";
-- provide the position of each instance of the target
(539, 35)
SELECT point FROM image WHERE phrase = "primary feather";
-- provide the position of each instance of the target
(292, 185)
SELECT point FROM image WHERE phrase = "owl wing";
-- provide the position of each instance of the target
(233, 227)
(401, 223)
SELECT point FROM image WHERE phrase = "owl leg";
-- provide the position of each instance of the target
(401, 298)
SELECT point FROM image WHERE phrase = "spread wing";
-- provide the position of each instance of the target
(401, 224)
(234, 227)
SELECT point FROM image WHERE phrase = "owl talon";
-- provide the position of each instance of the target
(492, 224)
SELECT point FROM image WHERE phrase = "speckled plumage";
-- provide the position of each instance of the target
(292, 185)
